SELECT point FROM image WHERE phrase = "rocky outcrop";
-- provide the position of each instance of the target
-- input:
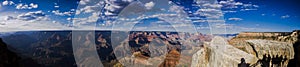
(256, 53)
(219, 53)
(272, 48)
(262, 34)
(272, 53)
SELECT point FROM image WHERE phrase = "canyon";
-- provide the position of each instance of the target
(148, 49)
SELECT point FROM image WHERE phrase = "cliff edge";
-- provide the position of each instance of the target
(272, 48)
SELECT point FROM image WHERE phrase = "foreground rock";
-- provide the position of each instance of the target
(272, 53)
(219, 53)
(272, 48)
(250, 52)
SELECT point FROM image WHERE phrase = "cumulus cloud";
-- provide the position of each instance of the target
(230, 4)
(7, 3)
(57, 12)
(29, 21)
(89, 9)
(33, 5)
(285, 16)
(210, 10)
(32, 16)
(149, 5)
(215, 11)
(212, 5)
(235, 19)
(212, 13)
(88, 6)
(113, 7)
(91, 19)
(26, 6)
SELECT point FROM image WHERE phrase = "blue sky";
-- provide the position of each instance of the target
(233, 16)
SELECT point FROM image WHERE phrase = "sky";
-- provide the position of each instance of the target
(204, 16)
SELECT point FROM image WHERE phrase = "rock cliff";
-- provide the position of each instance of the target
(272, 48)
(219, 53)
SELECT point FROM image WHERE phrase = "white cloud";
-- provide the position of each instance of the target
(230, 4)
(33, 16)
(33, 5)
(255, 6)
(175, 8)
(7, 3)
(89, 7)
(30, 21)
(212, 5)
(56, 6)
(26, 6)
(229, 11)
(223, 25)
(9, 18)
(90, 19)
(250, 5)
(57, 12)
(84, 2)
(69, 19)
(233, 5)
(247, 9)
(112, 7)
(210, 10)
(285, 16)
(15, 25)
(149, 5)
(235, 19)
(210, 13)
(238, 3)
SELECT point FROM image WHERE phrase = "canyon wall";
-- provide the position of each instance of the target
(254, 49)
(219, 53)
(272, 48)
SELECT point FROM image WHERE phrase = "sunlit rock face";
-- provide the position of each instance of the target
(272, 53)
(158, 49)
(258, 49)
(270, 46)
(219, 53)
(262, 34)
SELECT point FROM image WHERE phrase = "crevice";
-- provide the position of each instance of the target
(253, 48)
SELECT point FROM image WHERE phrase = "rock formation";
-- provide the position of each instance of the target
(272, 53)
(255, 49)
(54, 48)
(219, 53)
(272, 48)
